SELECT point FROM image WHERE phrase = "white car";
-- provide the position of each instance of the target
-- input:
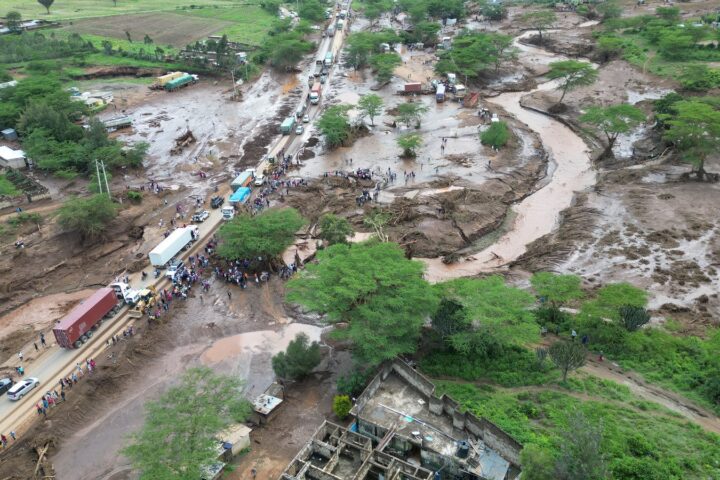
(306, 118)
(260, 180)
(299, 130)
(22, 387)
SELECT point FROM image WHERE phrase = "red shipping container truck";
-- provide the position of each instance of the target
(72, 331)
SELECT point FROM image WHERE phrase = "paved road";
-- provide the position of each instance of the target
(56, 362)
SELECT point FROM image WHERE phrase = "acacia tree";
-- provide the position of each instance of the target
(613, 120)
(13, 21)
(411, 112)
(266, 235)
(580, 451)
(298, 360)
(370, 105)
(410, 142)
(335, 125)
(695, 129)
(334, 229)
(372, 288)
(178, 438)
(567, 356)
(572, 74)
(90, 217)
(46, 4)
(540, 21)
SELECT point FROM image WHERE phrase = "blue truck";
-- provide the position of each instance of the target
(240, 196)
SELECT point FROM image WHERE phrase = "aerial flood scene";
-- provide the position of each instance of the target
(359, 240)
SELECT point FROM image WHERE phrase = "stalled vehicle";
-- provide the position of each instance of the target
(216, 202)
(78, 325)
(299, 130)
(177, 241)
(200, 217)
(20, 389)
(228, 213)
(5, 385)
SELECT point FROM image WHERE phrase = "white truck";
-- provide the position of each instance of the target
(172, 245)
(228, 213)
(124, 292)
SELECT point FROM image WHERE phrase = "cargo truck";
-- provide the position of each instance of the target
(331, 31)
(315, 93)
(180, 82)
(459, 91)
(440, 93)
(340, 24)
(287, 126)
(172, 245)
(240, 196)
(77, 327)
(243, 180)
(228, 213)
(318, 67)
(163, 79)
(415, 87)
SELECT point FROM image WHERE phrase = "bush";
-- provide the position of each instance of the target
(354, 383)
(300, 358)
(134, 196)
(496, 136)
(342, 406)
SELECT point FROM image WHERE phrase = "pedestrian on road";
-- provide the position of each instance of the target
(13, 435)
(36, 347)
(20, 356)
(62, 395)
(3, 439)
(229, 295)
(42, 340)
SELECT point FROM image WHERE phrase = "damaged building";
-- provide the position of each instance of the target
(403, 431)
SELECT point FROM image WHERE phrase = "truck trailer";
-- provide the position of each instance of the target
(172, 245)
(315, 92)
(180, 82)
(328, 59)
(318, 67)
(77, 327)
(287, 125)
(240, 196)
(440, 93)
(243, 180)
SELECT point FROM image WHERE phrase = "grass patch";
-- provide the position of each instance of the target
(250, 23)
(638, 445)
(7, 187)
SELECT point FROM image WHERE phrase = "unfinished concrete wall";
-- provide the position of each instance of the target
(414, 378)
(501, 442)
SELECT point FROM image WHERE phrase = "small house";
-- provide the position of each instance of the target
(10, 158)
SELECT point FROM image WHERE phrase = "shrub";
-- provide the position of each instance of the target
(134, 196)
(341, 406)
(300, 358)
(496, 136)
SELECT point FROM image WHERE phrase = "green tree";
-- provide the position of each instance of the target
(147, 40)
(13, 22)
(423, 32)
(300, 358)
(494, 11)
(271, 6)
(375, 290)
(334, 124)
(556, 289)
(341, 406)
(47, 4)
(695, 131)
(633, 317)
(410, 113)
(370, 105)
(107, 47)
(609, 10)
(537, 463)
(497, 135)
(609, 47)
(572, 74)
(410, 142)
(496, 315)
(674, 45)
(669, 14)
(449, 318)
(613, 120)
(312, 10)
(567, 356)
(581, 455)
(178, 438)
(384, 65)
(334, 229)
(377, 220)
(540, 20)
(89, 217)
(127, 35)
(266, 235)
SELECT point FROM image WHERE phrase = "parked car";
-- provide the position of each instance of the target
(299, 130)
(260, 180)
(216, 202)
(200, 217)
(306, 118)
(21, 388)
(5, 385)
(173, 267)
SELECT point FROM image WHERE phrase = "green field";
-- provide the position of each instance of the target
(7, 187)
(248, 24)
(76, 9)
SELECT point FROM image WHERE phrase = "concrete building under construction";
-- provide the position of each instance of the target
(403, 431)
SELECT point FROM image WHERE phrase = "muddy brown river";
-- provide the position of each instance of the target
(537, 215)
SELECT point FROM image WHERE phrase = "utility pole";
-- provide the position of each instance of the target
(107, 187)
(97, 176)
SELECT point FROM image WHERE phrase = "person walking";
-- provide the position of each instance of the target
(42, 340)
(13, 435)
(36, 347)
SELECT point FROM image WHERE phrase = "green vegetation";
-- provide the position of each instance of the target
(420, 10)
(265, 235)
(410, 142)
(177, 440)
(335, 125)
(473, 54)
(341, 406)
(334, 229)
(567, 356)
(250, 23)
(637, 443)
(284, 47)
(300, 358)
(362, 46)
(377, 294)
(572, 74)
(493, 11)
(7, 188)
(89, 217)
(497, 135)
(370, 105)
(383, 64)
(410, 113)
(422, 32)
(613, 120)
(539, 20)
